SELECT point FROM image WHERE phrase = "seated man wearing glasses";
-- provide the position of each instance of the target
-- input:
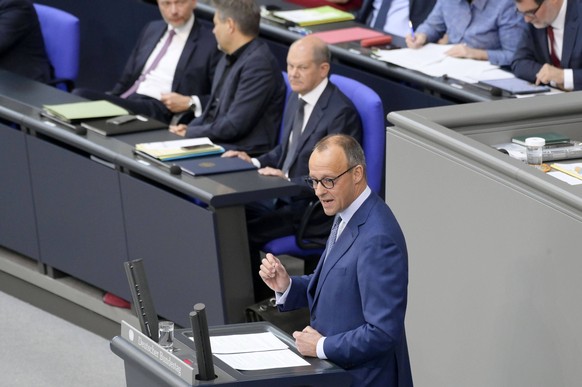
(315, 109)
(550, 51)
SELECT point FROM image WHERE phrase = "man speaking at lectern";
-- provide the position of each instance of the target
(357, 295)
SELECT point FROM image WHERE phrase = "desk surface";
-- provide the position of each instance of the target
(22, 99)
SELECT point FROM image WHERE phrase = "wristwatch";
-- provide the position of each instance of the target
(192, 103)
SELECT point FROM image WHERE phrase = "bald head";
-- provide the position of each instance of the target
(307, 64)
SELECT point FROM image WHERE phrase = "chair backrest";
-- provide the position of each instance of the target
(371, 110)
(61, 33)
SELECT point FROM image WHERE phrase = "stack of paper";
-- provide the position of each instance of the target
(313, 16)
(254, 351)
(78, 111)
(179, 149)
(432, 60)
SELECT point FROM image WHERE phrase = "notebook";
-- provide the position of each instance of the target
(79, 111)
(179, 149)
(516, 86)
(213, 165)
(107, 127)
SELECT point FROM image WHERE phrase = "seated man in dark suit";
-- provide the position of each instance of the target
(22, 48)
(170, 70)
(550, 51)
(248, 92)
(393, 16)
(326, 111)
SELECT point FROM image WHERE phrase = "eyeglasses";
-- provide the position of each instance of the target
(532, 14)
(326, 182)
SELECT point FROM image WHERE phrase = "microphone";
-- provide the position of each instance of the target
(175, 169)
(80, 130)
(202, 343)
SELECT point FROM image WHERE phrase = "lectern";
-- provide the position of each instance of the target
(147, 364)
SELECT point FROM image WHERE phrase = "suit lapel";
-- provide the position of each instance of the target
(341, 246)
(150, 45)
(570, 33)
(316, 115)
(187, 53)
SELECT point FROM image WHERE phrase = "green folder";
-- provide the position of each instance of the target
(78, 111)
(314, 16)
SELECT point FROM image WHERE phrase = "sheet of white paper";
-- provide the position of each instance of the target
(565, 178)
(413, 58)
(175, 143)
(263, 360)
(252, 342)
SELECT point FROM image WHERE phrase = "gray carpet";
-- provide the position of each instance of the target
(39, 349)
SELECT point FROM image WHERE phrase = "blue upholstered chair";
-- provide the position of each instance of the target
(61, 34)
(371, 111)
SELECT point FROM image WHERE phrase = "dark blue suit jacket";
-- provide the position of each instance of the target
(333, 113)
(196, 65)
(533, 51)
(418, 11)
(250, 104)
(357, 299)
(22, 48)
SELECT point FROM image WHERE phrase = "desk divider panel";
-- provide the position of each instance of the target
(79, 215)
(17, 217)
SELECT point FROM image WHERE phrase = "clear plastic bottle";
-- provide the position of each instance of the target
(534, 151)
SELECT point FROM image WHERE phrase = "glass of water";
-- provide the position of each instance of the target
(166, 334)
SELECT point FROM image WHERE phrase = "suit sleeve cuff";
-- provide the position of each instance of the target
(196, 106)
(280, 298)
(568, 79)
(319, 349)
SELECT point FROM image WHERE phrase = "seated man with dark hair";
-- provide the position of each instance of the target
(248, 93)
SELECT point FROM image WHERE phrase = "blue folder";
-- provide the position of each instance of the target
(200, 166)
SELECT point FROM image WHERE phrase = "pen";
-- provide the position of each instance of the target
(411, 30)
(299, 30)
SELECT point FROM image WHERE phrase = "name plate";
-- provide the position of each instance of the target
(156, 352)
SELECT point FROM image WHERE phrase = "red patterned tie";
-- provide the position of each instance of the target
(553, 56)
(154, 64)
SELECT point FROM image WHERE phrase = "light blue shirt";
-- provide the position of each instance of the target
(491, 25)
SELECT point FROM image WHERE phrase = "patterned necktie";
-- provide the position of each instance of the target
(297, 128)
(382, 15)
(333, 233)
(152, 67)
(553, 56)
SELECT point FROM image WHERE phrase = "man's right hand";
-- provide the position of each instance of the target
(416, 41)
(240, 154)
(176, 103)
(274, 274)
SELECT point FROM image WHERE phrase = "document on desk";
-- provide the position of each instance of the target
(432, 60)
(256, 351)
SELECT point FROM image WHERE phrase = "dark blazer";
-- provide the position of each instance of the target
(533, 51)
(195, 69)
(333, 113)
(418, 10)
(367, 269)
(250, 103)
(22, 49)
